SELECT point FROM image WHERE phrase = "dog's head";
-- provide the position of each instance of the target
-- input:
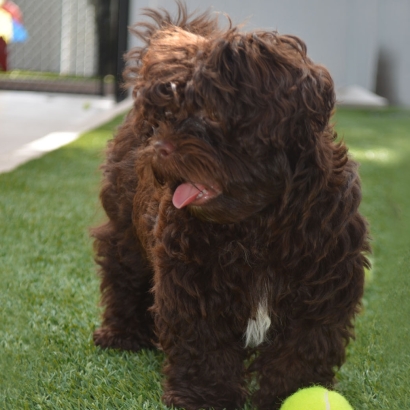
(228, 121)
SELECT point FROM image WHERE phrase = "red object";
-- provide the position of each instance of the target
(3, 54)
(14, 10)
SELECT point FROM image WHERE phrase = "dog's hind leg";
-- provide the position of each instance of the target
(126, 277)
(126, 281)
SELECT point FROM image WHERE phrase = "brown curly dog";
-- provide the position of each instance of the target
(234, 241)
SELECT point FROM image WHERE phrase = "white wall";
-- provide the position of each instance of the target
(362, 42)
(341, 34)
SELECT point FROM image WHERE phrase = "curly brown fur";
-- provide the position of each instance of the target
(244, 116)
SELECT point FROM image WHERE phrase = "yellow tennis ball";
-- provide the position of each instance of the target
(316, 398)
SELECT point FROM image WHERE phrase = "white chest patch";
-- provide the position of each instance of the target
(258, 327)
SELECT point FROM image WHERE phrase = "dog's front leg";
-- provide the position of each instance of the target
(205, 362)
(202, 378)
(302, 355)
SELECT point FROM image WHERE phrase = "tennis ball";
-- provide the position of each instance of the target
(316, 398)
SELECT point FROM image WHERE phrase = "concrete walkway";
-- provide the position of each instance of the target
(33, 123)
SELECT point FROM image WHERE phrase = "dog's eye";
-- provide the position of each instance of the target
(194, 127)
(145, 131)
(159, 180)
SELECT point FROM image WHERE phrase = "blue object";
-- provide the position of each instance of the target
(19, 33)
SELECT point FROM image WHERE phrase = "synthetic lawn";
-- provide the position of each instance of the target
(30, 75)
(49, 290)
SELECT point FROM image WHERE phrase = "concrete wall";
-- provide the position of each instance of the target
(347, 36)
(78, 38)
(393, 80)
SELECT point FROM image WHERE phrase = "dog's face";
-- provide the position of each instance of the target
(227, 120)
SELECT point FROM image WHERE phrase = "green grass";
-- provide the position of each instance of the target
(48, 76)
(49, 291)
(39, 75)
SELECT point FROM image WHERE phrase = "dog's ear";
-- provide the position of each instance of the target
(266, 69)
(317, 94)
(307, 86)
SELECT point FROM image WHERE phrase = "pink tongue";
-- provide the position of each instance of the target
(185, 194)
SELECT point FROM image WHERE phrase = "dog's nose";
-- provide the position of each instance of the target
(164, 148)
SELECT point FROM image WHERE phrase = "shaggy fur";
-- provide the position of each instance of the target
(271, 252)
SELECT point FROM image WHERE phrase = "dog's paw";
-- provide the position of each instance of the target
(190, 401)
(109, 339)
(267, 401)
(171, 399)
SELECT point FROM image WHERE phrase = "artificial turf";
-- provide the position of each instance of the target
(49, 290)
